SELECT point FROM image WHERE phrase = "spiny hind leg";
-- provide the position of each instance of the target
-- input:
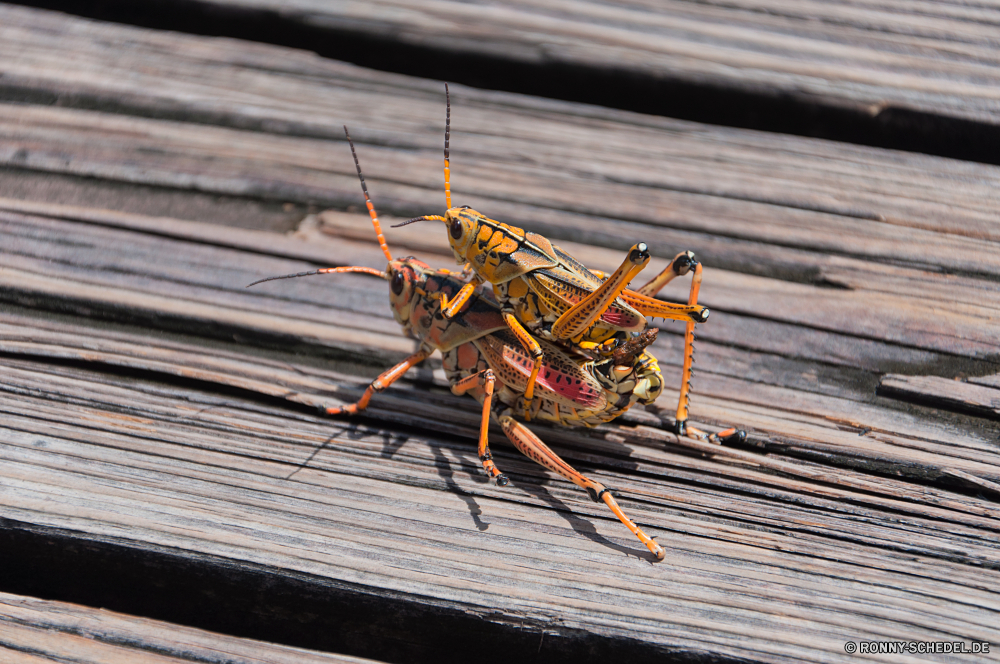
(682, 264)
(578, 318)
(684, 399)
(485, 379)
(532, 447)
(384, 380)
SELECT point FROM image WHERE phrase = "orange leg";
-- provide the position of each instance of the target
(681, 265)
(449, 308)
(385, 379)
(643, 301)
(530, 345)
(532, 447)
(732, 434)
(486, 379)
(584, 313)
(650, 306)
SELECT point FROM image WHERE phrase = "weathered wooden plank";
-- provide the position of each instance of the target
(169, 282)
(625, 459)
(311, 385)
(165, 471)
(153, 407)
(914, 75)
(991, 381)
(680, 175)
(943, 393)
(36, 630)
(873, 55)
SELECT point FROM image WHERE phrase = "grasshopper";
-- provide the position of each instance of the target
(482, 358)
(547, 293)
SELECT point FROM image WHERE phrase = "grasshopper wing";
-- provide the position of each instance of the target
(561, 379)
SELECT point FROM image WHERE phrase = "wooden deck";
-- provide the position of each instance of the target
(161, 455)
(38, 631)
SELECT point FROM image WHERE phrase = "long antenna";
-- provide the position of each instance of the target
(426, 217)
(326, 270)
(368, 201)
(447, 139)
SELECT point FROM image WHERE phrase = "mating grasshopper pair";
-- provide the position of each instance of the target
(481, 357)
(588, 361)
(544, 292)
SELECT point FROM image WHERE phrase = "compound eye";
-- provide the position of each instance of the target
(456, 228)
(398, 281)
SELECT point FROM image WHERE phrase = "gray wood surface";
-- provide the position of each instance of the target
(151, 401)
(35, 631)
(872, 56)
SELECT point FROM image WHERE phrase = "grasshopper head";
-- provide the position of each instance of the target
(463, 225)
(406, 276)
(463, 228)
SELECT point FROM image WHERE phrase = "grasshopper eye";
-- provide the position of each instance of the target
(456, 228)
(398, 281)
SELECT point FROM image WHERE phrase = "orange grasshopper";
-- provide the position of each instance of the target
(547, 293)
(482, 358)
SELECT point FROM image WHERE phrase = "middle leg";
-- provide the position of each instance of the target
(485, 379)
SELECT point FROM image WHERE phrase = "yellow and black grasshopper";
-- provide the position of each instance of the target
(482, 358)
(545, 292)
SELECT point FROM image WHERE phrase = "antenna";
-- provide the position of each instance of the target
(426, 217)
(326, 270)
(447, 138)
(368, 201)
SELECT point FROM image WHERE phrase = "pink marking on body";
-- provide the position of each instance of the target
(565, 385)
(619, 318)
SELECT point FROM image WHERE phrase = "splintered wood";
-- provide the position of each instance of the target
(150, 401)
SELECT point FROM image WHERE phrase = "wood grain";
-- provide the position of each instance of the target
(733, 498)
(872, 56)
(156, 407)
(37, 630)
(223, 481)
(954, 394)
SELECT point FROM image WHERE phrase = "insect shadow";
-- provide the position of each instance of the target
(444, 468)
(579, 524)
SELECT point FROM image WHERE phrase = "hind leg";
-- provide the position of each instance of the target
(682, 264)
(532, 447)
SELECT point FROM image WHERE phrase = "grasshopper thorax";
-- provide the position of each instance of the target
(496, 251)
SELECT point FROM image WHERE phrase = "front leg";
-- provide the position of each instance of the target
(384, 380)
(451, 308)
